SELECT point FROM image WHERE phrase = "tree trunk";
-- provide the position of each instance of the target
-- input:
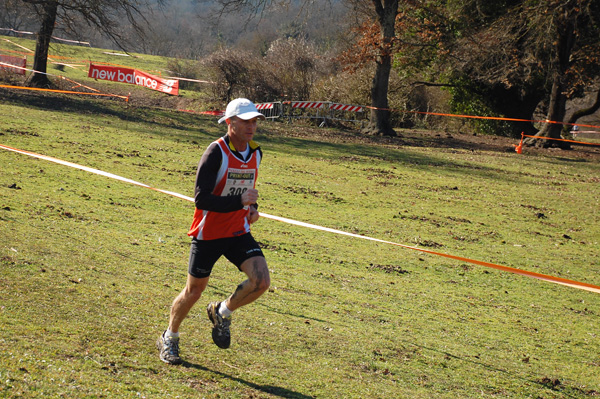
(40, 62)
(556, 112)
(565, 42)
(380, 113)
(580, 113)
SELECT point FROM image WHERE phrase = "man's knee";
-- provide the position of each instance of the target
(263, 282)
(258, 274)
(193, 293)
(195, 287)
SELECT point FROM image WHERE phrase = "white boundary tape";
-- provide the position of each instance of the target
(543, 277)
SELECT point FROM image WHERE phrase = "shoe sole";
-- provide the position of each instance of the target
(211, 310)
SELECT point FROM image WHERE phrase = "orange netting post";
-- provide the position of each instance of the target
(519, 148)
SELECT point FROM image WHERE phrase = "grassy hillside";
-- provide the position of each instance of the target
(89, 265)
(72, 57)
(68, 68)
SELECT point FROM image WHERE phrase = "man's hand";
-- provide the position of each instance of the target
(250, 197)
(252, 215)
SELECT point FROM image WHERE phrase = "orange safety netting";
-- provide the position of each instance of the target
(126, 98)
(539, 276)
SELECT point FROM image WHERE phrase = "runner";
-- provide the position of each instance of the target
(225, 199)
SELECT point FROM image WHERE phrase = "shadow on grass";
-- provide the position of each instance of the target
(331, 146)
(360, 153)
(225, 292)
(270, 389)
(166, 119)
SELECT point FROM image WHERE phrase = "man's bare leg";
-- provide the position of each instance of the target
(257, 283)
(247, 292)
(186, 299)
(168, 342)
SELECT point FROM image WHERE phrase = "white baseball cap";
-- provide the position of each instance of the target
(243, 109)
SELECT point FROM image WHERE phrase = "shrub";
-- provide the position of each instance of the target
(184, 69)
(239, 73)
(295, 66)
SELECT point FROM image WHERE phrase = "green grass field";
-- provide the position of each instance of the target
(90, 265)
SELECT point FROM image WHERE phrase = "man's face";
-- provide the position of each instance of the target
(241, 130)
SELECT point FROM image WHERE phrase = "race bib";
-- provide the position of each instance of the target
(239, 181)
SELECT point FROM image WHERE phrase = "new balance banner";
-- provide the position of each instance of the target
(133, 76)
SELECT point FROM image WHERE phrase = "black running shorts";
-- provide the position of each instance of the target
(205, 253)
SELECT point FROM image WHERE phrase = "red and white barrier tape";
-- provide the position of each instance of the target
(307, 104)
(264, 106)
(345, 107)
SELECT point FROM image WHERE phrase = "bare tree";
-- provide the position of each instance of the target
(567, 17)
(101, 14)
(233, 71)
(13, 15)
(294, 64)
(549, 47)
(521, 56)
(384, 12)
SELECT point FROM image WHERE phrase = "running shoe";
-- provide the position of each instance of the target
(168, 349)
(220, 332)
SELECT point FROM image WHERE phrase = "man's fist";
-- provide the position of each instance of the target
(250, 197)
(252, 215)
